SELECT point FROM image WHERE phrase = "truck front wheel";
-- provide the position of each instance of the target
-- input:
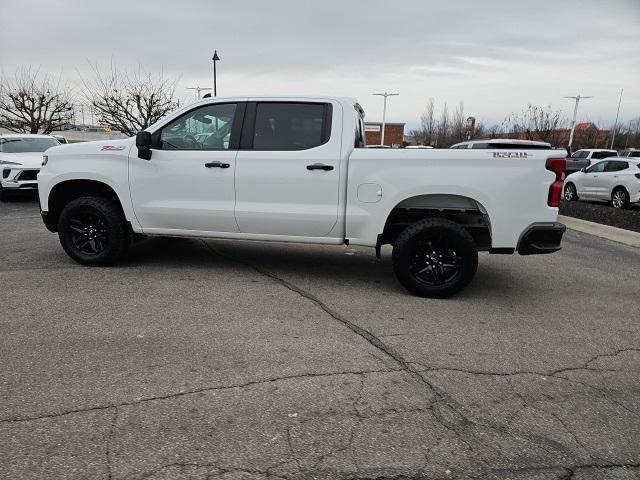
(434, 258)
(93, 231)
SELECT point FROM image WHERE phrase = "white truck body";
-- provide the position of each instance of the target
(273, 195)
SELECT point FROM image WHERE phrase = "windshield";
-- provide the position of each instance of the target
(26, 144)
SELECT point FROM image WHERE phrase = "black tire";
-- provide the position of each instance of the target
(93, 231)
(421, 253)
(620, 198)
(570, 192)
(4, 195)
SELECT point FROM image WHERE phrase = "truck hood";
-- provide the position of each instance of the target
(99, 146)
(26, 159)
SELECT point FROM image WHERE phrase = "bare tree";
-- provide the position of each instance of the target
(535, 123)
(443, 127)
(458, 125)
(426, 133)
(130, 102)
(632, 134)
(31, 102)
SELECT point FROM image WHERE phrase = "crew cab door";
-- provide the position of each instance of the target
(188, 184)
(288, 168)
(610, 177)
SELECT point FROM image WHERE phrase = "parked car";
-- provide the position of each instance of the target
(295, 169)
(500, 143)
(20, 161)
(630, 152)
(615, 180)
(584, 157)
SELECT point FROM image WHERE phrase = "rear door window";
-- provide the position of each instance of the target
(291, 126)
(616, 166)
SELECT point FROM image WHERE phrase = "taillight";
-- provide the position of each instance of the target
(557, 166)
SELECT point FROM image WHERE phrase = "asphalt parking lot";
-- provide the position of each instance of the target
(222, 360)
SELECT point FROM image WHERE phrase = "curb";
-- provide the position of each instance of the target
(619, 235)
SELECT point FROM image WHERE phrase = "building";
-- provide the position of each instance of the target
(393, 133)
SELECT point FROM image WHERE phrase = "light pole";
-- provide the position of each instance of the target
(384, 111)
(615, 125)
(198, 89)
(215, 58)
(573, 122)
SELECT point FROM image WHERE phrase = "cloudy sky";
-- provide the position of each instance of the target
(496, 56)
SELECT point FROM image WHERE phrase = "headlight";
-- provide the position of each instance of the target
(7, 162)
(45, 159)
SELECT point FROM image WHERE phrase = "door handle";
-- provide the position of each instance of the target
(320, 166)
(217, 165)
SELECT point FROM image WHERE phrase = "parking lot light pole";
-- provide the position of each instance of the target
(215, 58)
(573, 122)
(384, 112)
(615, 125)
(198, 89)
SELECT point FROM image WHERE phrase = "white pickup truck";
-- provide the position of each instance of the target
(295, 169)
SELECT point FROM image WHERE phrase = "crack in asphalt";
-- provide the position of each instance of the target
(192, 392)
(554, 374)
(112, 429)
(219, 470)
(443, 410)
(361, 332)
(444, 405)
(550, 373)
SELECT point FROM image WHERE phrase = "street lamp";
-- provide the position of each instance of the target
(198, 89)
(615, 125)
(573, 122)
(384, 111)
(215, 58)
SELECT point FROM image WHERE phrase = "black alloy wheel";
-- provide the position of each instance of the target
(89, 234)
(434, 263)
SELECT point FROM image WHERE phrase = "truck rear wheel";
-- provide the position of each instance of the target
(93, 231)
(434, 258)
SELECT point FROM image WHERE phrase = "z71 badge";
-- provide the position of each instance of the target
(111, 148)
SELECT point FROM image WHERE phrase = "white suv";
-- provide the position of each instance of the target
(20, 161)
(616, 180)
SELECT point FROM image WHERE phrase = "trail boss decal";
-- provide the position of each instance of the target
(510, 155)
(111, 148)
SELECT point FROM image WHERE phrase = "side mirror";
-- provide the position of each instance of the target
(583, 170)
(143, 142)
